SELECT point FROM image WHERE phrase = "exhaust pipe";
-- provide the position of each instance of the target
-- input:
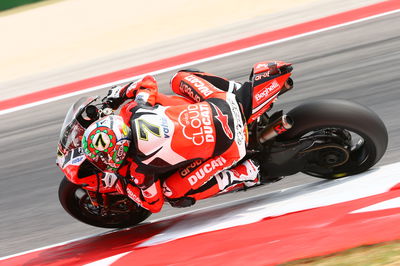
(279, 126)
(287, 86)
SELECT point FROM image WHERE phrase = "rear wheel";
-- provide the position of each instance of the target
(352, 137)
(122, 212)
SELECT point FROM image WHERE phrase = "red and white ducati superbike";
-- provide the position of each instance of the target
(327, 139)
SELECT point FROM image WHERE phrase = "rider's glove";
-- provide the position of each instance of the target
(144, 91)
(115, 97)
(119, 94)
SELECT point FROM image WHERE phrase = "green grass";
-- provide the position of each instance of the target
(387, 254)
(8, 4)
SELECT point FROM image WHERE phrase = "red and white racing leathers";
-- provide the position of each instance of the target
(203, 140)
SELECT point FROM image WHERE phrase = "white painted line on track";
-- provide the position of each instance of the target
(157, 72)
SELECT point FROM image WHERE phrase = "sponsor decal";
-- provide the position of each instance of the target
(74, 157)
(134, 197)
(240, 129)
(187, 170)
(125, 130)
(144, 127)
(199, 85)
(164, 125)
(223, 119)
(260, 76)
(270, 67)
(119, 153)
(279, 129)
(146, 194)
(150, 192)
(265, 92)
(206, 168)
(196, 122)
(77, 161)
(186, 89)
(261, 65)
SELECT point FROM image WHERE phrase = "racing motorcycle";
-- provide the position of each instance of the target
(327, 139)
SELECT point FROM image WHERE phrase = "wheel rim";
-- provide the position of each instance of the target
(118, 214)
(352, 156)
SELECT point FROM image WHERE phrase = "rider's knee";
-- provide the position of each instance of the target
(176, 80)
(175, 194)
(172, 189)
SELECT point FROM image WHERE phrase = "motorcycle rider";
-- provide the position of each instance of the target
(205, 139)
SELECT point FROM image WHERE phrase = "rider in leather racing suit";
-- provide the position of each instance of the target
(205, 140)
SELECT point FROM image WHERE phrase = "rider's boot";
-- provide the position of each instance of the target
(150, 198)
(241, 176)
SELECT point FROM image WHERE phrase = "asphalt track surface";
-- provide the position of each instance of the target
(359, 62)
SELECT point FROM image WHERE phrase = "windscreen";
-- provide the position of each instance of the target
(72, 131)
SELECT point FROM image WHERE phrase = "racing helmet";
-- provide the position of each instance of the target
(106, 143)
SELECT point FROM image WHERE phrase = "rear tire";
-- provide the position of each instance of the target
(76, 202)
(344, 115)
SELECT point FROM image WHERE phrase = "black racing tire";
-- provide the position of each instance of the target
(342, 114)
(75, 201)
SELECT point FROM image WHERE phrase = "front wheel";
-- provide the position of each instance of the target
(360, 137)
(121, 212)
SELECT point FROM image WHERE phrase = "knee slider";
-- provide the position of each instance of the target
(182, 202)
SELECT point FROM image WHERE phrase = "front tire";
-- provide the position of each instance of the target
(124, 212)
(345, 116)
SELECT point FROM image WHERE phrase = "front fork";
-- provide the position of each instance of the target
(94, 199)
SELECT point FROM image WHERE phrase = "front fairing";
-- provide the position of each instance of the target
(70, 162)
(69, 152)
(70, 156)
